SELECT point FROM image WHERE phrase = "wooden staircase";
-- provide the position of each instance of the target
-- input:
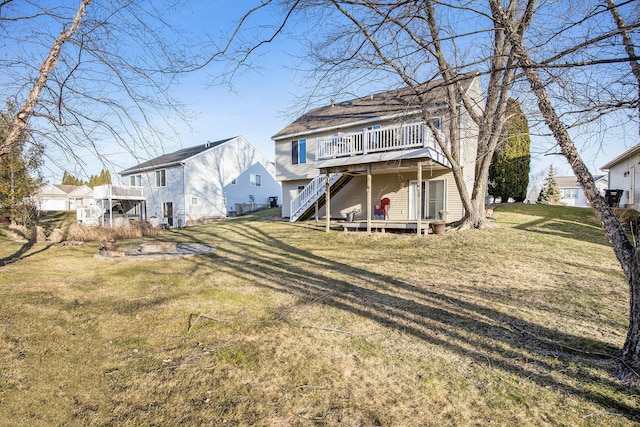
(316, 191)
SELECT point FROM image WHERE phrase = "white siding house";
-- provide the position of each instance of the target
(205, 182)
(572, 193)
(373, 148)
(624, 174)
(55, 197)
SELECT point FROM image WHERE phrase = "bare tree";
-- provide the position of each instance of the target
(411, 43)
(575, 78)
(624, 250)
(104, 78)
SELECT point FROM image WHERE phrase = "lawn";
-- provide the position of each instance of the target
(285, 325)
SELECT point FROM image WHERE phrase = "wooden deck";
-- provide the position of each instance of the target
(383, 225)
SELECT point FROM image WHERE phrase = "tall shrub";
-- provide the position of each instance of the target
(509, 169)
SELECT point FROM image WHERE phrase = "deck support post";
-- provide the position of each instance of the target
(369, 199)
(419, 201)
(327, 205)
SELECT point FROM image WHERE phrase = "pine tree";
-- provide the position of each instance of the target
(19, 174)
(550, 192)
(102, 179)
(509, 170)
(68, 179)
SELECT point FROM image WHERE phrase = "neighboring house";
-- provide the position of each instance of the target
(379, 142)
(205, 182)
(624, 174)
(54, 197)
(114, 205)
(572, 193)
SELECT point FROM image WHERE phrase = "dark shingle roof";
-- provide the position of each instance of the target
(173, 158)
(383, 104)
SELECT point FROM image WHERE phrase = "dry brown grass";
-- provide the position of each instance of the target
(504, 326)
(83, 233)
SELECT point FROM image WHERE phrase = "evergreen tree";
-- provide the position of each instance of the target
(509, 169)
(102, 179)
(68, 179)
(550, 192)
(19, 174)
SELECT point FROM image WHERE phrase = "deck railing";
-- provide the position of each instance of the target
(121, 192)
(310, 194)
(407, 136)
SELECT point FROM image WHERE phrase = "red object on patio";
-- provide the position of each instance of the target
(382, 209)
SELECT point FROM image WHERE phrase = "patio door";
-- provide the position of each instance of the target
(167, 212)
(433, 199)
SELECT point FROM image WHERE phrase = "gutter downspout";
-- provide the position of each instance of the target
(184, 195)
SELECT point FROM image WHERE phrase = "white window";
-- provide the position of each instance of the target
(194, 200)
(135, 180)
(161, 178)
(223, 202)
(256, 180)
(569, 193)
(437, 122)
(298, 152)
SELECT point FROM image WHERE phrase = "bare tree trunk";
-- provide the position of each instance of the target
(628, 43)
(622, 247)
(19, 124)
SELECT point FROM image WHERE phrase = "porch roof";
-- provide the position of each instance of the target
(381, 157)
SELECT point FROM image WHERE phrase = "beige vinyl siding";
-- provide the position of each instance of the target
(396, 188)
(290, 192)
(286, 171)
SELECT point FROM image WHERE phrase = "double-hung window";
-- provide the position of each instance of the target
(299, 152)
(161, 178)
(255, 180)
(135, 180)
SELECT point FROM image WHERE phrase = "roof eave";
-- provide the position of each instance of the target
(152, 167)
(356, 123)
(631, 152)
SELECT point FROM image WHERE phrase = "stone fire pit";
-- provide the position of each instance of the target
(158, 248)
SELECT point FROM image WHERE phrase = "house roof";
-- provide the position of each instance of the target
(572, 181)
(174, 158)
(622, 157)
(59, 189)
(378, 106)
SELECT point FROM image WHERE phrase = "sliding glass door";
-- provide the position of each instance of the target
(433, 199)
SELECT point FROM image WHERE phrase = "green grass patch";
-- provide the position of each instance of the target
(287, 325)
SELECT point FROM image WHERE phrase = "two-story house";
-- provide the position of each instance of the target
(351, 155)
(208, 181)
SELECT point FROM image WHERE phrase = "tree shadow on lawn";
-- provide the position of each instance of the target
(22, 253)
(491, 338)
(564, 228)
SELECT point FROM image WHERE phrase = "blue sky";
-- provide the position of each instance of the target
(264, 100)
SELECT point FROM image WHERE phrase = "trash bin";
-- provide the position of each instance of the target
(273, 201)
(613, 197)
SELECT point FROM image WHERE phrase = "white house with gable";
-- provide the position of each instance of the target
(571, 191)
(205, 182)
(624, 174)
